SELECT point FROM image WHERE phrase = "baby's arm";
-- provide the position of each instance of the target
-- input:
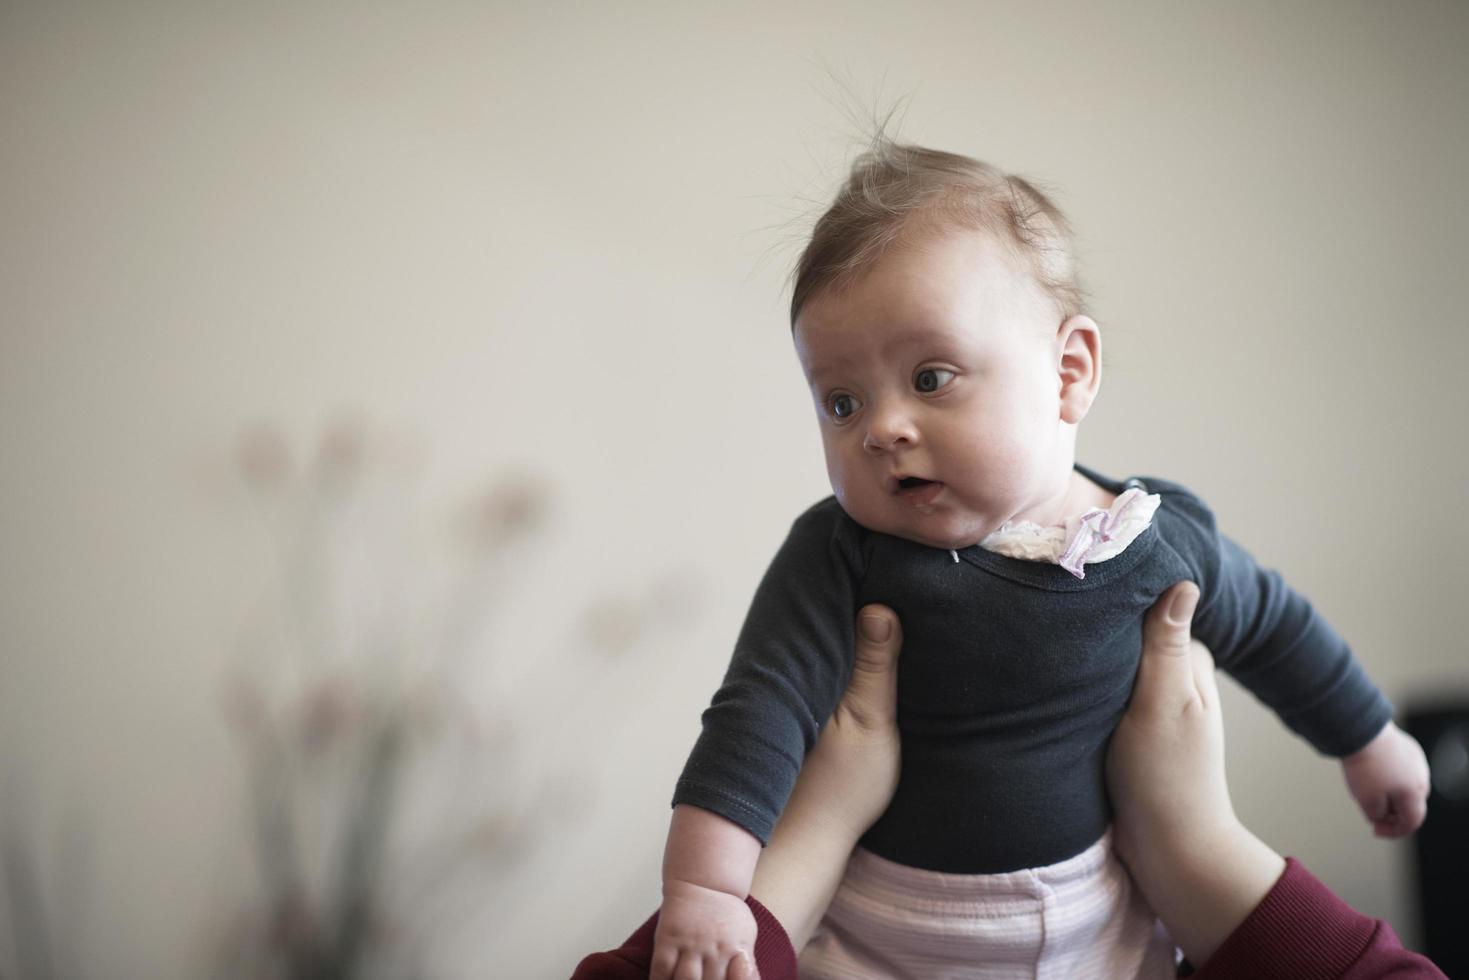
(790, 666)
(705, 926)
(1272, 641)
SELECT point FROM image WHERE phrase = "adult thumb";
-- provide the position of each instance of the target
(873, 692)
(1166, 668)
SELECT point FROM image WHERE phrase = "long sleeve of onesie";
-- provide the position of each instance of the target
(1270, 639)
(790, 666)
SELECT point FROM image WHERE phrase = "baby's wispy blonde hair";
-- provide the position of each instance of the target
(896, 188)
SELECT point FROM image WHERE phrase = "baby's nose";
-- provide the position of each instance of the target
(889, 430)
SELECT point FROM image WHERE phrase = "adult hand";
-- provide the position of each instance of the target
(845, 784)
(1175, 827)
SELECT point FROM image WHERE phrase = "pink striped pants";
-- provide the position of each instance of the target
(1077, 919)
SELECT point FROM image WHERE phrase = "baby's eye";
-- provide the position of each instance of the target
(842, 406)
(932, 379)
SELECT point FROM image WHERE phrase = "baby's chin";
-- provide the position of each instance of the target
(953, 542)
(954, 538)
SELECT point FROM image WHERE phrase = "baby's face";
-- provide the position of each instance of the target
(936, 383)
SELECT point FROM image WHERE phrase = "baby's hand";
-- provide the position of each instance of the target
(1389, 779)
(703, 934)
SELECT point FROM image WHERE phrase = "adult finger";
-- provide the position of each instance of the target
(872, 695)
(1165, 674)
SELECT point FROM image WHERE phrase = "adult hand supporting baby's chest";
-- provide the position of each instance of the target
(1176, 830)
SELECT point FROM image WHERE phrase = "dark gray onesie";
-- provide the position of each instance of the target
(1012, 677)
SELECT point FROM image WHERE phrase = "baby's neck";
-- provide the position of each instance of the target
(1076, 496)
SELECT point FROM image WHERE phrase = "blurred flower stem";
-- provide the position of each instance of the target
(379, 796)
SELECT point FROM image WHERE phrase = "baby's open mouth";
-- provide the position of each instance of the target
(917, 491)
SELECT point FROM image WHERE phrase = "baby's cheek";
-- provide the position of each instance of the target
(857, 506)
(1000, 474)
(1019, 464)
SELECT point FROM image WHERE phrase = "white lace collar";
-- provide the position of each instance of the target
(1088, 538)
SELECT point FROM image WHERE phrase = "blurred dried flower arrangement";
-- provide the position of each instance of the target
(384, 802)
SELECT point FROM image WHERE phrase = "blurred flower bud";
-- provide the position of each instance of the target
(328, 710)
(263, 457)
(343, 450)
(512, 507)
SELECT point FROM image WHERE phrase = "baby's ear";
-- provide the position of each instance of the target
(1079, 365)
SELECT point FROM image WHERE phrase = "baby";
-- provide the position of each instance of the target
(937, 318)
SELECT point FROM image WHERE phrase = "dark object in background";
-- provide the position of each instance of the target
(1443, 840)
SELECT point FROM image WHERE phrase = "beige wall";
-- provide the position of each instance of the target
(553, 236)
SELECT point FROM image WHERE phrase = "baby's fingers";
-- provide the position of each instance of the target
(742, 967)
(690, 967)
(713, 967)
(1405, 812)
(1377, 809)
(1390, 826)
(665, 958)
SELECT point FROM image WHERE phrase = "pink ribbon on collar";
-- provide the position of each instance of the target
(1097, 527)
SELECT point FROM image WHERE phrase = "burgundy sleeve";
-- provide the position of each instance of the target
(774, 956)
(1303, 931)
